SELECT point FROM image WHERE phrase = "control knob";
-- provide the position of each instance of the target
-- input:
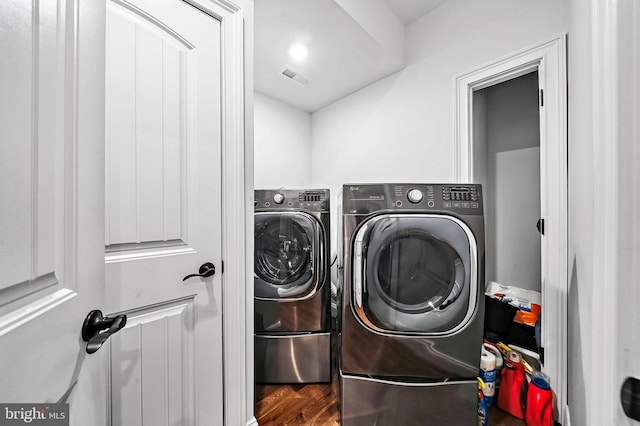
(278, 198)
(414, 195)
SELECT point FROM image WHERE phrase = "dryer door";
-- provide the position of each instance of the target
(415, 273)
(288, 255)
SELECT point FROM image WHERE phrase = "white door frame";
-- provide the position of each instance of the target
(549, 59)
(234, 211)
(613, 84)
(234, 208)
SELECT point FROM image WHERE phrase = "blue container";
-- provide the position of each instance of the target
(489, 379)
(488, 375)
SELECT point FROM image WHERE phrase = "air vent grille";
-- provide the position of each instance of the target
(312, 196)
(294, 75)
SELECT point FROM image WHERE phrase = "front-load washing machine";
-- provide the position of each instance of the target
(292, 286)
(412, 304)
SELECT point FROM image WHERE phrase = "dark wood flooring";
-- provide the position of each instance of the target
(317, 405)
(497, 417)
(297, 404)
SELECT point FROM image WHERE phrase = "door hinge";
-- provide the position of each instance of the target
(222, 266)
(540, 226)
(541, 97)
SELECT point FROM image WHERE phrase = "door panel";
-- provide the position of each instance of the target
(153, 353)
(163, 220)
(148, 132)
(29, 140)
(51, 193)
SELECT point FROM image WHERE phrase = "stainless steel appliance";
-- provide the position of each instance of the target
(412, 304)
(292, 286)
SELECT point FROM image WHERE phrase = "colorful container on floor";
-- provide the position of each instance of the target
(513, 386)
(539, 401)
(491, 347)
(483, 413)
(488, 375)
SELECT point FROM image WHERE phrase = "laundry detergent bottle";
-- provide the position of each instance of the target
(513, 386)
(488, 375)
(490, 347)
(539, 401)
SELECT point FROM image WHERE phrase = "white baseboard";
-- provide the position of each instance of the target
(252, 422)
(567, 417)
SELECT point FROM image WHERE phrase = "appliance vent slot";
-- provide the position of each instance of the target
(294, 75)
(311, 196)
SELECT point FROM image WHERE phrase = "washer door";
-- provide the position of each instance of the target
(288, 255)
(415, 273)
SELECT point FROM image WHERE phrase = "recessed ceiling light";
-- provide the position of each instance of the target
(298, 52)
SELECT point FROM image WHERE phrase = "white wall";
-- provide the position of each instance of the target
(282, 148)
(512, 190)
(581, 211)
(402, 127)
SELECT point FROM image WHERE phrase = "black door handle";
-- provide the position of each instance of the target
(96, 329)
(630, 398)
(206, 270)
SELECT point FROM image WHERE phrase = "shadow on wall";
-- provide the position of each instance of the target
(576, 394)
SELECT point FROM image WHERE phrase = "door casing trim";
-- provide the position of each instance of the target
(549, 59)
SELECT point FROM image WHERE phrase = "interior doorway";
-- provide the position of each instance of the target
(507, 164)
(547, 62)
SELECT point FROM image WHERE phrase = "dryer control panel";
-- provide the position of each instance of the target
(315, 200)
(367, 198)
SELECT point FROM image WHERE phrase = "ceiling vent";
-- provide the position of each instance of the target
(294, 75)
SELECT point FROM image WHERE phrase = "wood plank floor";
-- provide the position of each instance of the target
(317, 405)
(297, 404)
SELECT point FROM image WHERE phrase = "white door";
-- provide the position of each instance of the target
(51, 204)
(163, 212)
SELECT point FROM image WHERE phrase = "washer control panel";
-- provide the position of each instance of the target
(316, 200)
(461, 198)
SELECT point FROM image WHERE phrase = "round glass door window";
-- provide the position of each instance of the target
(416, 273)
(286, 247)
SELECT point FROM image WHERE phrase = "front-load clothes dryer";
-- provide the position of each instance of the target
(292, 286)
(412, 304)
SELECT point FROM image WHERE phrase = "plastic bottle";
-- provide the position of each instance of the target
(539, 401)
(513, 386)
(488, 375)
(491, 347)
(483, 414)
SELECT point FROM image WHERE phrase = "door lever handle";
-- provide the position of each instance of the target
(206, 270)
(96, 329)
